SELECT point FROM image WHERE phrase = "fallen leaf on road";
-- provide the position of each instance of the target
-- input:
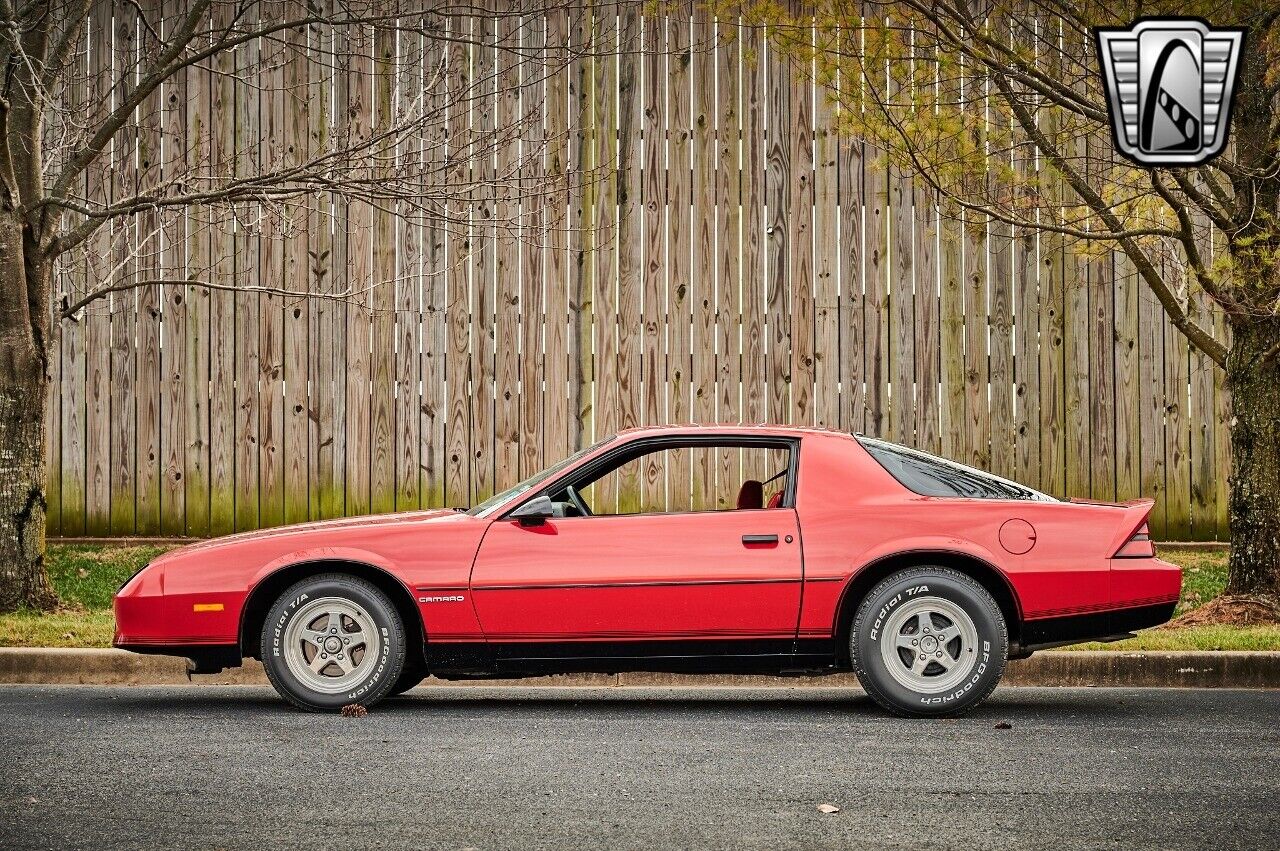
(1003, 725)
(828, 808)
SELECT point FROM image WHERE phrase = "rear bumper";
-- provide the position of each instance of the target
(1107, 625)
(1144, 581)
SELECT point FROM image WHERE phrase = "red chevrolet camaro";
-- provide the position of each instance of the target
(696, 548)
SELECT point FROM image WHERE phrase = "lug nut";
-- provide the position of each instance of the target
(326, 656)
(914, 642)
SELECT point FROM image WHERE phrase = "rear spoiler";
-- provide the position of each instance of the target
(1135, 514)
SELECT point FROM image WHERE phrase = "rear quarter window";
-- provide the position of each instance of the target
(929, 475)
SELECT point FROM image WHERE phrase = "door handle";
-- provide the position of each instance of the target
(759, 539)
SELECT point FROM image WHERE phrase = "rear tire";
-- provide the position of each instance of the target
(332, 640)
(928, 641)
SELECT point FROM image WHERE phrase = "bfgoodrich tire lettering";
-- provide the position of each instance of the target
(928, 641)
(332, 640)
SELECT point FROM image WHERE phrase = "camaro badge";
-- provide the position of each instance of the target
(1169, 84)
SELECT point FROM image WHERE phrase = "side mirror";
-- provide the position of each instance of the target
(535, 512)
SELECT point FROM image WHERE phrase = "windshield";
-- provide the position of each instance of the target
(536, 479)
(929, 475)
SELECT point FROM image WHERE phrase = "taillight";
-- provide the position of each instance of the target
(1139, 546)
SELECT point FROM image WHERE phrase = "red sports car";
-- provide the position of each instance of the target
(694, 548)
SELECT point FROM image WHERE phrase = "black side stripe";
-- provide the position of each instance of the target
(639, 584)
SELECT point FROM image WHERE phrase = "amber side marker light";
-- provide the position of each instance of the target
(1139, 546)
(207, 607)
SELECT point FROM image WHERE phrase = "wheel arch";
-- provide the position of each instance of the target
(269, 587)
(990, 577)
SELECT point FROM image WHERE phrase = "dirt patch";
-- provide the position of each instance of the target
(1232, 610)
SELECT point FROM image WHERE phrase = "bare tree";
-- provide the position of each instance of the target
(998, 107)
(64, 124)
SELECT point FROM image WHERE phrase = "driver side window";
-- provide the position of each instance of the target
(677, 479)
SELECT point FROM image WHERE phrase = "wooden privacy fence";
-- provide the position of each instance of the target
(740, 263)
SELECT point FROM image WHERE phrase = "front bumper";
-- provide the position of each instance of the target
(149, 617)
(201, 658)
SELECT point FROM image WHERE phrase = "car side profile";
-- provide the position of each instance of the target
(717, 549)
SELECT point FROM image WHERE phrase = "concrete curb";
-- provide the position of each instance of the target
(60, 666)
(1217, 669)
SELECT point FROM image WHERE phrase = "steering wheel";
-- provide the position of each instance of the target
(577, 500)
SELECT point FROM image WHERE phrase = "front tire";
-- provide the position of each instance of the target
(928, 641)
(332, 640)
(412, 675)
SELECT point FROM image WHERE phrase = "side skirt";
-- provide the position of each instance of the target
(532, 659)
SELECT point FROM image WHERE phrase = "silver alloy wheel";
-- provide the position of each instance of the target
(929, 644)
(331, 644)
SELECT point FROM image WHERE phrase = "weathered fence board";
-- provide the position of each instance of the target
(712, 251)
(679, 318)
(701, 281)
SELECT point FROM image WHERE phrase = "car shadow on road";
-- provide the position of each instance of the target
(1007, 704)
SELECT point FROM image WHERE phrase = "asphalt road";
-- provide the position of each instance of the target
(221, 767)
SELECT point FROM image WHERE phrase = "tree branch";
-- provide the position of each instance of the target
(927, 171)
(1209, 206)
(119, 116)
(1030, 76)
(1187, 237)
(1199, 337)
(63, 46)
(70, 309)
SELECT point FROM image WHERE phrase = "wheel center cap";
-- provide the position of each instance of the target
(333, 644)
(928, 644)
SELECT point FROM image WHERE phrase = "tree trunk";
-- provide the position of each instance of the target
(24, 390)
(23, 580)
(1253, 376)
